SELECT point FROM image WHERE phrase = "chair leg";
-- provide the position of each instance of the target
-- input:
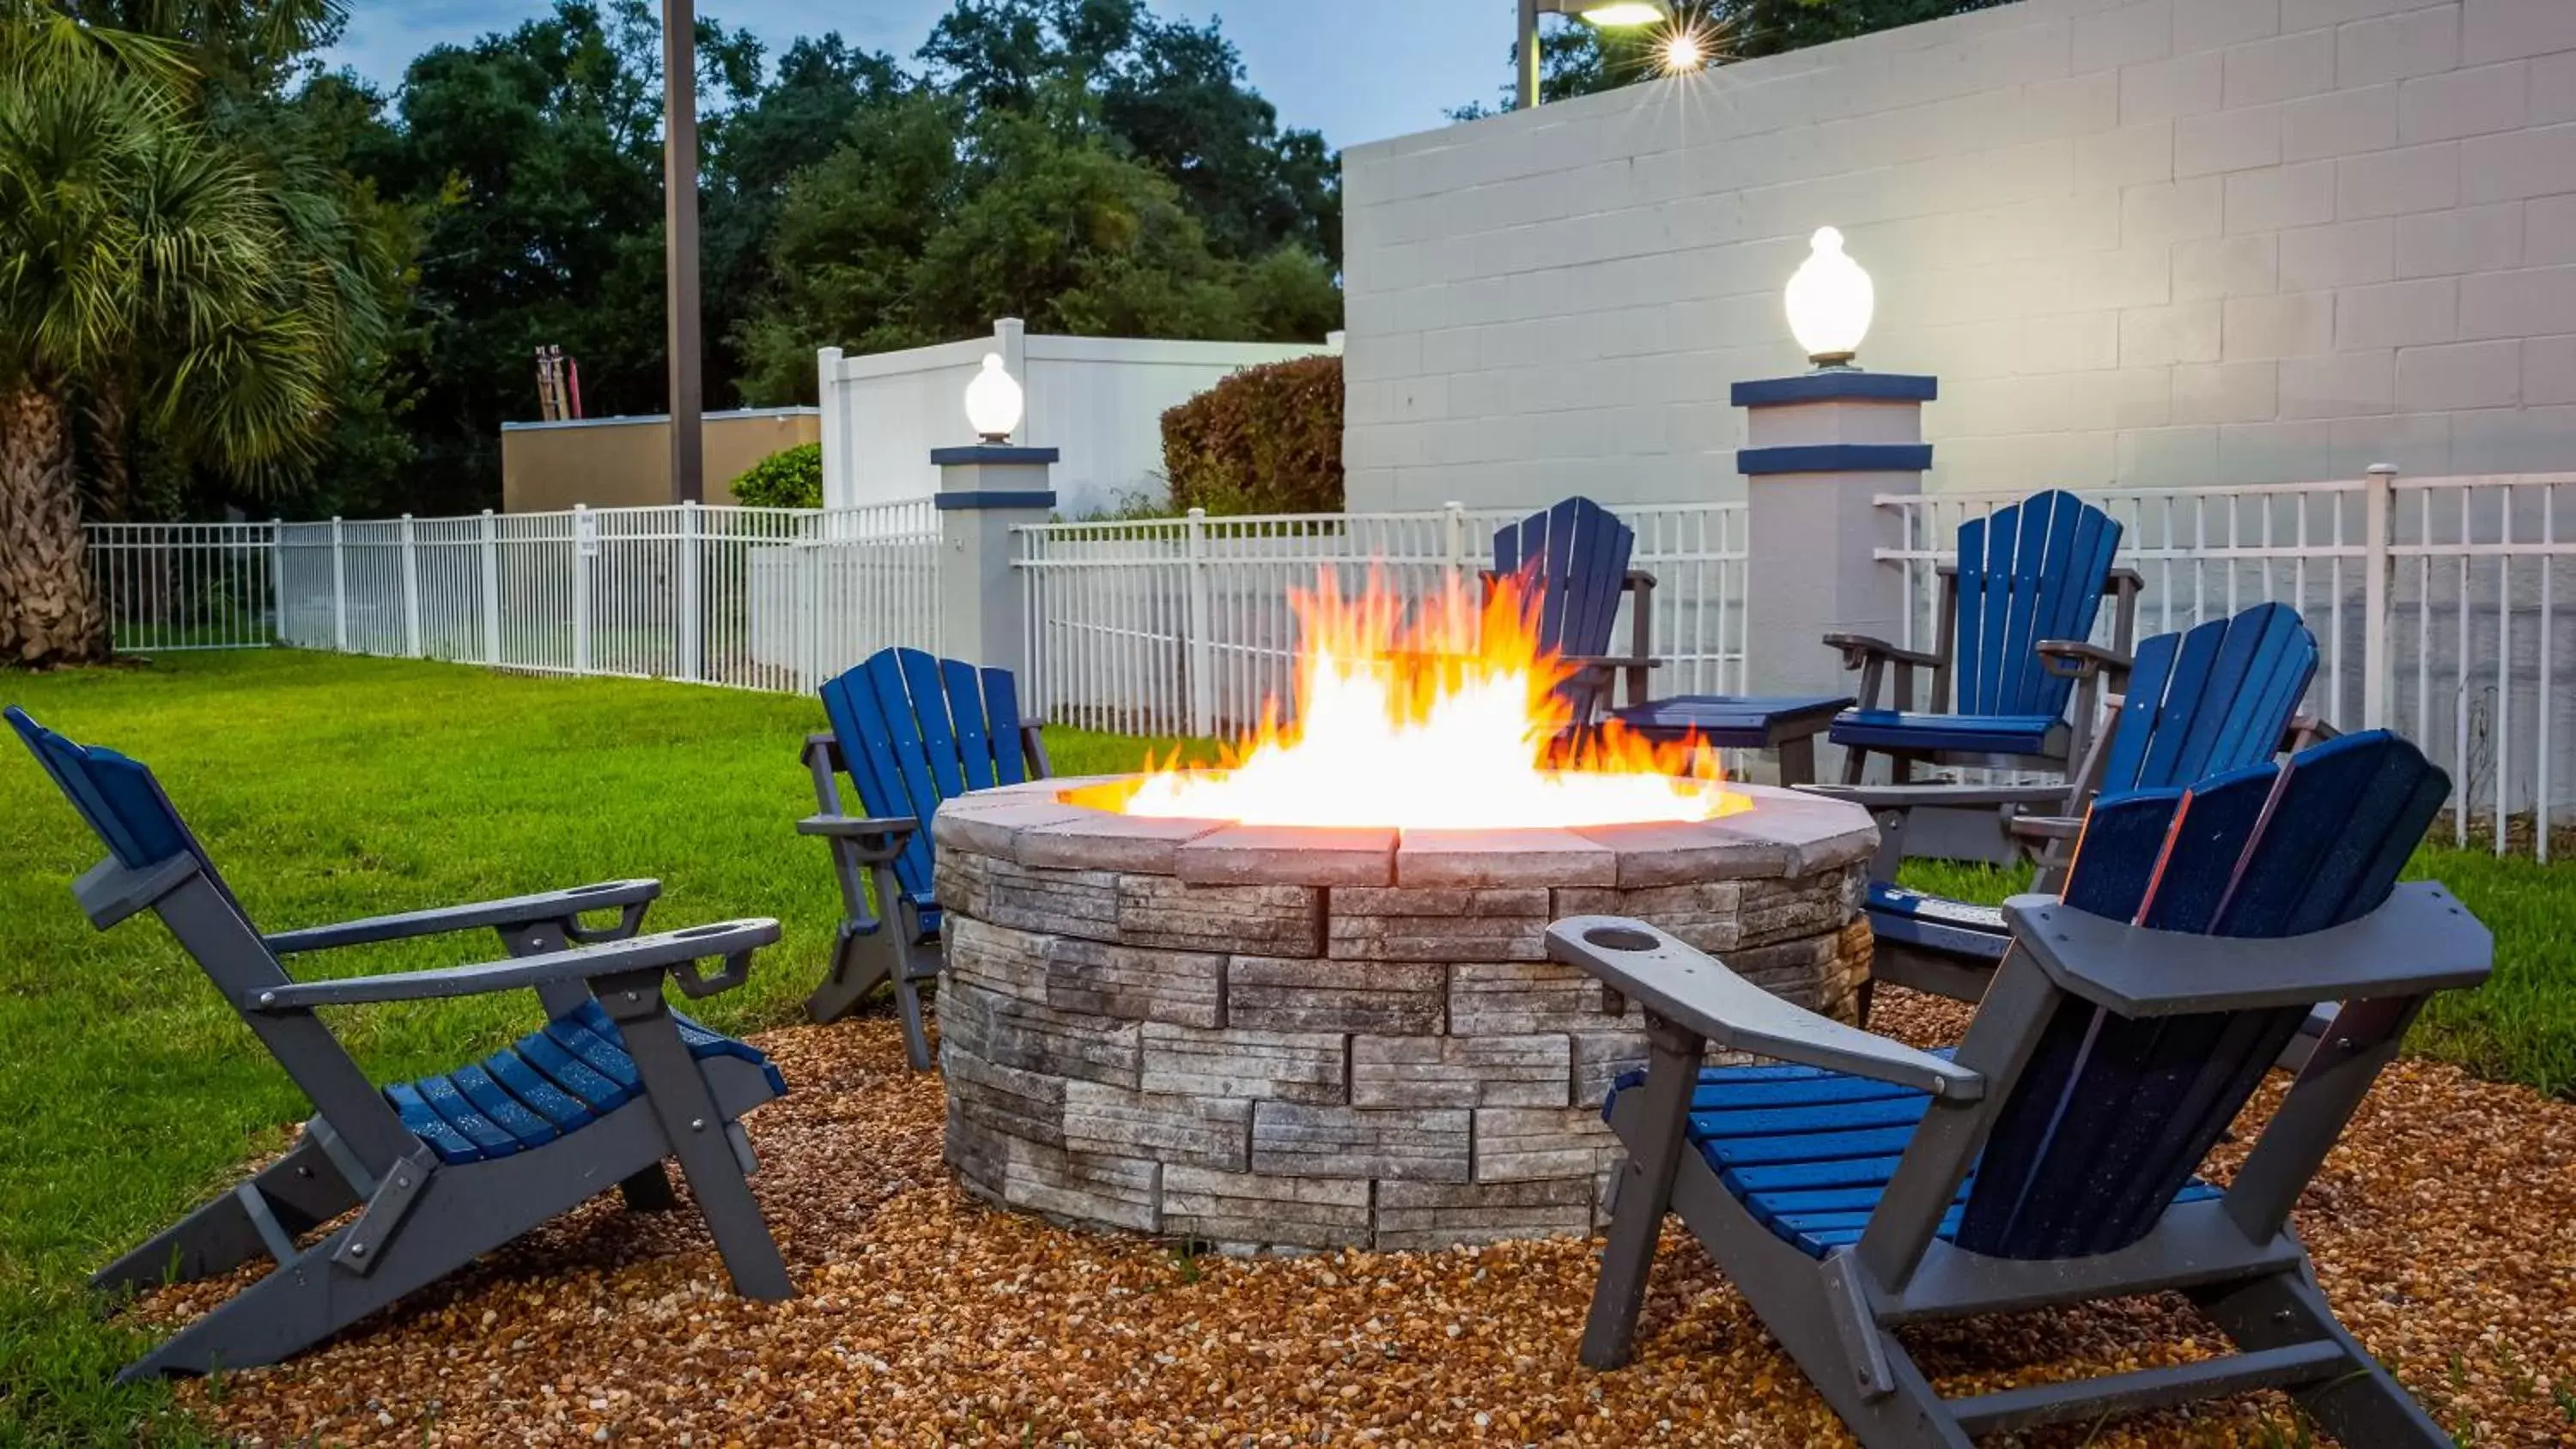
(2364, 1409)
(1798, 761)
(907, 999)
(649, 1191)
(859, 962)
(695, 1129)
(303, 1190)
(1645, 1193)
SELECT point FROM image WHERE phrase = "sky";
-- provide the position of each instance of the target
(1356, 70)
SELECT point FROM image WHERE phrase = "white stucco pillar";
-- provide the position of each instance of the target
(984, 492)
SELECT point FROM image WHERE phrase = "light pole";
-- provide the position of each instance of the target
(1606, 14)
(680, 244)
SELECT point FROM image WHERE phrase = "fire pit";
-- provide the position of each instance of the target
(1317, 1012)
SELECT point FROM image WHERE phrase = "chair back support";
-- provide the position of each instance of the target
(120, 801)
(1575, 556)
(2211, 699)
(2112, 1115)
(915, 731)
(2029, 572)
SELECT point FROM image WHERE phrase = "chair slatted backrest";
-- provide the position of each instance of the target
(2112, 1115)
(2027, 573)
(915, 730)
(1575, 556)
(120, 801)
(2210, 699)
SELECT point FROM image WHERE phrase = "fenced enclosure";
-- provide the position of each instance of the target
(758, 598)
(1185, 625)
(172, 586)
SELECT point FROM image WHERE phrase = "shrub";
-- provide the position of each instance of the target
(1266, 440)
(788, 478)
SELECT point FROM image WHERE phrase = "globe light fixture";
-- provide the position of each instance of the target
(994, 401)
(1607, 14)
(1830, 300)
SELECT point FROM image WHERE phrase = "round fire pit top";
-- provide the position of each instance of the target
(1300, 1038)
(1786, 833)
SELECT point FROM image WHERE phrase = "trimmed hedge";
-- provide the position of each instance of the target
(788, 478)
(1266, 440)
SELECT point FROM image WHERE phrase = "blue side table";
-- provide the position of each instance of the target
(1786, 723)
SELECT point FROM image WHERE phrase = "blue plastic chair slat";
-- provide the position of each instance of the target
(2132, 732)
(576, 1077)
(2045, 538)
(445, 1098)
(2240, 652)
(893, 735)
(531, 1127)
(531, 1086)
(1801, 1121)
(423, 1122)
(2073, 601)
(965, 693)
(1807, 1147)
(1556, 575)
(595, 1051)
(1971, 627)
(1002, 717)
(1974, 733)
(929, 690)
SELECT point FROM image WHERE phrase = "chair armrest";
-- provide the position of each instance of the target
(2045, 827)
(1859, 649)
(2076, 659)
(1695, 992)
(1875, 798)
(675, 951)
(877, 838)
(2420, 940)
(629, 896)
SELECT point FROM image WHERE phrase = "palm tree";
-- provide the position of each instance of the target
(141, 256)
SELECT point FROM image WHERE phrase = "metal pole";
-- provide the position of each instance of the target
(2377, 496)
(1525, 57)
(680, 250)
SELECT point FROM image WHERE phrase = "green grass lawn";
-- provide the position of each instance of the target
(330, 787)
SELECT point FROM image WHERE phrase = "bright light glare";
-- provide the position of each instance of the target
(1620, 13)
(1830, 300)
(1683, 55)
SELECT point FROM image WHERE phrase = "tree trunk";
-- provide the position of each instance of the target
(49, 612)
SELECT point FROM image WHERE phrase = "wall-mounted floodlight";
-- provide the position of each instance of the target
(1607, 14)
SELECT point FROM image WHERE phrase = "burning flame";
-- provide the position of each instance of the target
(1436, 724)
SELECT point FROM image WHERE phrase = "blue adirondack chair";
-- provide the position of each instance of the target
(1574, 558)
(909, 731)
(2198, 703)
(448, 1167)
(2029, 574)
(2054, 1157)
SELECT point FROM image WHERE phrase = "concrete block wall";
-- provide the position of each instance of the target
(2143, 243)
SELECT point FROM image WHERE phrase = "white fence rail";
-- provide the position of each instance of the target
(1183, 625)
(759, 598)
(2434, 602)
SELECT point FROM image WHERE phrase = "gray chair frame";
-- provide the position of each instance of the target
(419, 1218)
(2234, 1256)
(876, 945)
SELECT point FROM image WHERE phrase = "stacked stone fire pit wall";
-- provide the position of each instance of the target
(1259, 1037)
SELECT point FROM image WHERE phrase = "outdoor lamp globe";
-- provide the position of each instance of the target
(1830, 301)
(1616, 14)
(993, 401)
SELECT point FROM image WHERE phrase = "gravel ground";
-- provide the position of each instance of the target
(2441, 1230)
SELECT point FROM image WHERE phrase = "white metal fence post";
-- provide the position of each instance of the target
(411, 589)
(1201, 650)
(692, 642)
(585, 542)
(1453, 542)
(2377, 498)
(276, 581)
(339, 591)
(491, 551)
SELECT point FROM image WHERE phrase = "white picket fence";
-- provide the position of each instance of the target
(758, 598)
(1184, 625)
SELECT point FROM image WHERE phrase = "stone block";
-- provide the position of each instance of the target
(1260, 1210)
(1273, 993)
(980, 1157)
(1006, 893)
(1269, 854)
(1671, 853)
(1460, 1071)
(1503, 858)
(1524, 1144)
(1794, 971)
(1000, 1100)
(1437, 924)
(996, 958)
(1284, 1066)
(1100, 841)
(1203, 1131)
(1088, 1189)
(1418, 1215)
(1057, 1043)
(1386, 1143)
(1157, 911)
(1600, 1058)
(1134, 983)
(992, 826)
(1523, 998)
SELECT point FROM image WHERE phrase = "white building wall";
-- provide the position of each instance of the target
(1099, 400)
(2141, 242)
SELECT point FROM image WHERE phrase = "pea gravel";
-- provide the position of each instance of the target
(2442, 1231)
